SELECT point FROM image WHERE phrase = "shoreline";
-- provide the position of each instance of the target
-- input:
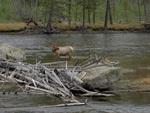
(24, 32)
(22, 28)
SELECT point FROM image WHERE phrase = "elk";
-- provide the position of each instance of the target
(62, 50)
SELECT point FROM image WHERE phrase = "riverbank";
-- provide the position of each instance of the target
(22, 28)
(12, 27)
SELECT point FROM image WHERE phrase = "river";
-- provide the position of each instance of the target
(132, 50)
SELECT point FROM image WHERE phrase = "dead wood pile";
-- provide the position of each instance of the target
(58, 82)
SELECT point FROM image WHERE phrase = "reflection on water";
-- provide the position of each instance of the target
(131, 49)
(26, 100)
(135, 98)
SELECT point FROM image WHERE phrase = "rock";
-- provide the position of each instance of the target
(100, 78)
(10, 52)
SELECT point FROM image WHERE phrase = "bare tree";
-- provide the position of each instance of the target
(69, 12)
(50, 16)
(108, 13)
(83, 13)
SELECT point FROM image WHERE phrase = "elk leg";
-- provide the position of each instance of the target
(69, 55)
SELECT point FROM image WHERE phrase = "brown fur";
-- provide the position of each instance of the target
(62, 51)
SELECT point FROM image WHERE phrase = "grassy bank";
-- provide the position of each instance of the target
(20, 26)
(99, 27)
(12, 27)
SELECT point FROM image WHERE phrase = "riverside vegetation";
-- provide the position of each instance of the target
(53, 16)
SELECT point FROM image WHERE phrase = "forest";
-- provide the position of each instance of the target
(77, 14)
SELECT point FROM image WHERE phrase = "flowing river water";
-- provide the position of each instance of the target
(132, 50)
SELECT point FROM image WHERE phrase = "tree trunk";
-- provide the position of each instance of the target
(83, 14)
(94, 12)
(69, 12)
(89, 16)
(76, 11)
(126, 11)
(145, 12)
(139, 9)
(114, 9)
(50, 15)
(36, 9)
(106, 15)
(89, 12)
(94, 16)
(110, 15)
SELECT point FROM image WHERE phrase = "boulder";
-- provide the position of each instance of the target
(10, 52)
(101, 78)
